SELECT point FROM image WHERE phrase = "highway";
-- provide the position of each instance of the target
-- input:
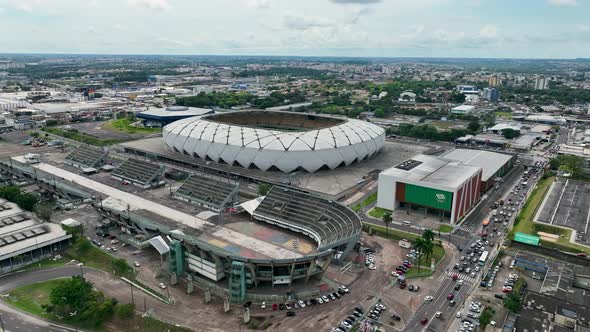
(463, 235)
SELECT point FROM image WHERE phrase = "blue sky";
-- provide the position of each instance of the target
(426, 28)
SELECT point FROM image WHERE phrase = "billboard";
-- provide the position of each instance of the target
(429, 197)
(526, 239)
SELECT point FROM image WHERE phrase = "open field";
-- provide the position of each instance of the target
(124, 126)
(75, 135)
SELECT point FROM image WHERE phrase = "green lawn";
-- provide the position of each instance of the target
(30, 298)
(46, 263)
(445, 228)
(507, 115)
(524, 221)
(124, 126)
(378, 212)
(368, 201)
(438, 254)
(80, 137)
(83, 251)
(392, 233)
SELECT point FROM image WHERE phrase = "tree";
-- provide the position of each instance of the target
(44, 211)
(74, 294)
(124, 311)
(428, 235)
(428, 249)
(263, 188)
(379, 113)
(569, 164)
(486, 317)
(387, 219)
(473, 126)
(512, 303)
(510, 133)
(419, 245)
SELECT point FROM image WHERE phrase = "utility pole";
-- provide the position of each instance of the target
(132, 299)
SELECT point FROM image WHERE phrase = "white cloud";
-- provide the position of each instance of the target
(299, 22)
(563, 3)
(259, 4)
(583, 28)
(152, 4)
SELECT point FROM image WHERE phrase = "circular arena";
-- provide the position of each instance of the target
(271, 140)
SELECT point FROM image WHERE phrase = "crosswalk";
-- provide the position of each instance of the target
(462, 276)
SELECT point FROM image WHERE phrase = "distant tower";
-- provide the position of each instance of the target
(541, 83)
(493, 81)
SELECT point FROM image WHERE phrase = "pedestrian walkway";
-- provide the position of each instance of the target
(462, 276)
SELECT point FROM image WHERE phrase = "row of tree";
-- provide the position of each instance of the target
(231, 99)
(76, 300)
(24, 200)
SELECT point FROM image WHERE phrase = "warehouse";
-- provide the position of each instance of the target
(443, 186)
(494, 164)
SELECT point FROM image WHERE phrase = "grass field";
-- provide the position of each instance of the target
(445, 228)
(80, 137)
(392, 234)
(524, 221)
(368, 201)
(124, 126)
(83, 251)
(378, 212)
(505, 115)
(30, 298)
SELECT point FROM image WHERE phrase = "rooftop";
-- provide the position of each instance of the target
(174, 111)
(490, 162)
(433, 170)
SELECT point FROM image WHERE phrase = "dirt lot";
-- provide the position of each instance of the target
(95, 129)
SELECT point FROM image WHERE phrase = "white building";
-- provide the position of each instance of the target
(541, 83)
(463, 109)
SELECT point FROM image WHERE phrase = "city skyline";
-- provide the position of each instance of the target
(371, 28)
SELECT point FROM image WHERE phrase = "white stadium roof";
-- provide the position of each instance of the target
(344, 142)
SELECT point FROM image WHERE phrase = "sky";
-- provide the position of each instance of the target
(376, 28)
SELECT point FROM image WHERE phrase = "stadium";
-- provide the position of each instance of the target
(206, 234)
(283, 141)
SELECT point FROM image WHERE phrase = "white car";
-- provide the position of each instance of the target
(301, 303)
(344, 289)
(325, 298)
(345, 324)
(320, 300)
(162, 285)
(458, 315)
(136, 264)
(428, 298)
(263, 305)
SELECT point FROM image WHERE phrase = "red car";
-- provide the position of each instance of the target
(450, 296)
(274, 306)
(424, 321)
(455, 276)
(581, 254)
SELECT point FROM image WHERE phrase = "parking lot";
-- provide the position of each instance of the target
(567, 205)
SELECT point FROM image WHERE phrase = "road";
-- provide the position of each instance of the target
(15, 320)
(463, 235)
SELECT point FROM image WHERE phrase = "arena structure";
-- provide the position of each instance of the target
(270, 140)
(293, 237)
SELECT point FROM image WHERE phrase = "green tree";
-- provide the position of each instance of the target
(512, 303)
(263, 188)
(379, 113)
(510, 133)
(419, 245)
(74, 294)
(474, 126)
(486, 317)
(124, 311)
(44, 211)
(428, 235)
(569, 164)
(387, 219)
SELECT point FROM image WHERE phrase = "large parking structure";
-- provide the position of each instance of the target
(567, 205)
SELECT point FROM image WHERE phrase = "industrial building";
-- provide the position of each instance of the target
(463, 109)
(25, 240)
(441, 185)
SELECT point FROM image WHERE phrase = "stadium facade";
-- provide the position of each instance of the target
(268, 140)
(437, 184)
(209, 252)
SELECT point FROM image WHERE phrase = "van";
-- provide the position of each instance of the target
(407, 223)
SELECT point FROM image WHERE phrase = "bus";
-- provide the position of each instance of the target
(483, 258)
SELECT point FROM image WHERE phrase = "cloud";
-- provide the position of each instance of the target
(297, 22)
(356, 2)
(563, 3)
(1, 10)
(583, 28)
(258, 4)
(152, 4)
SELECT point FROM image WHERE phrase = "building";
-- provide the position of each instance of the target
(407, 97)
(541, 83)
(494, 165)
(25, 240)
(160, 117)
(491, 94)
(268, 140)
(467, 89)
(499, 127)
(494, 81)
(444, 187)
(463, 109)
